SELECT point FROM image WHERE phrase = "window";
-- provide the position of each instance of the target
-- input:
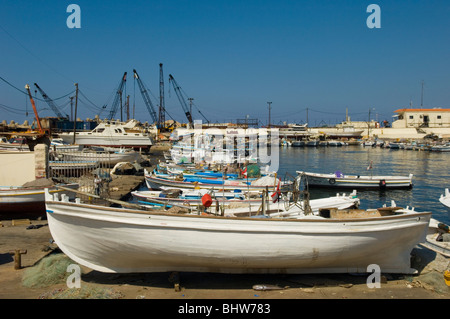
(439, 117)
(411, 117)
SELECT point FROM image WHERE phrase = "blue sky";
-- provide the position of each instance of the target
(232, 57)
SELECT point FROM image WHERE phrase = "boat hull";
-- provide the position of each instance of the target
(123, 241)
(27, 201)
(355, 182)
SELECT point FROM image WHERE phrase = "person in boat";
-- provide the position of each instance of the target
(97, 184)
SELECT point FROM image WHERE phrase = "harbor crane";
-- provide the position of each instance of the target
(118, 97)
(51, 103)
(182, 100)
(146, 98)
(162, 108)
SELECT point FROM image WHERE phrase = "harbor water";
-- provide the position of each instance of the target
(430, 171)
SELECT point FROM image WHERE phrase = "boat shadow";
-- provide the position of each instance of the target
(217, 281)
(6, 258)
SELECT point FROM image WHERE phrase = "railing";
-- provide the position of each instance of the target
(68, 166)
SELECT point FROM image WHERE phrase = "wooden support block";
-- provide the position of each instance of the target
(20, 222)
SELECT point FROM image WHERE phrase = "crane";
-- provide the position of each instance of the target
(182, 101)
(146, 99)
(51, 103)
(118, 97)
(40, 129)
(162, 109)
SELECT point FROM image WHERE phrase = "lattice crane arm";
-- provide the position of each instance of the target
(116, 101)
(146, 98)
(50, 103)
(181, 99)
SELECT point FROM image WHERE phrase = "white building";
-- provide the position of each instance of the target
(422, 118)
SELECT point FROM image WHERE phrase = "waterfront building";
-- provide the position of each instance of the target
(422, 118)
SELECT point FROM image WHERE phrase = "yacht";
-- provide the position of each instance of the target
(112, 134)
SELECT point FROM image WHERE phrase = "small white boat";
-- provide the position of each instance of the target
(155, 181)
(440, 148)
(339, 180)
(27, 200)
(438, 238)
(101, 157)
(58, 144)
(14, 144)
(112, 134)
(235, 204)
(445, 198)
(120, 240)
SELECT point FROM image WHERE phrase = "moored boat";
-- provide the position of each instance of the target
(339, 180)
(239, 203)
(20, 200)
(438, 238)
(155, 181)
(445, 198)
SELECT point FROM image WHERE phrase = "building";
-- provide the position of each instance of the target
(422, 118)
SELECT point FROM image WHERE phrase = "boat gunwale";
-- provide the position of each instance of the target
(254, 218)
(34, 189)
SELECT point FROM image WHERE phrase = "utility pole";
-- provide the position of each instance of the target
(71, 108)
(128, 107)
(121, 111)
(421, 98)
(190, 104)
(270, 107)
(75, 117)
(162, 108)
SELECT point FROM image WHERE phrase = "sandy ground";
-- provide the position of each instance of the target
(429, 284)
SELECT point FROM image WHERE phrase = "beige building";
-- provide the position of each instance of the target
(422, 118)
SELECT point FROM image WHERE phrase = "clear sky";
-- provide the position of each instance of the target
(231, 56)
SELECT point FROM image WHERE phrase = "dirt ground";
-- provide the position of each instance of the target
(36, 240)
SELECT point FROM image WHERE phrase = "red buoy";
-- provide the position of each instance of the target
(206, 200)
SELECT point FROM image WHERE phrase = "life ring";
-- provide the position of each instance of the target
(332, 181)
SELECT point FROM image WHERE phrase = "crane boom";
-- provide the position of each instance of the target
(38, 120)
(182, 100)
(146, 98)
(117, 97)
(162, 108)
(50, 103)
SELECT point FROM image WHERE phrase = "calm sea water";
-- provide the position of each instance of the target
(430, 169)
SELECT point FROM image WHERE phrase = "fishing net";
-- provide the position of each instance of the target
(253, 171)
(85, 292)
(49, 271)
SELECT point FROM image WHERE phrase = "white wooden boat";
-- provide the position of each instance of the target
(101, 157)
(112, 134)
(58, 144)
(27, 200)
(339, 180)
(445, 198)
(14, 144)
(155, 181)
(440, 148)
(438, 238)
(119, 240)
(235, 204)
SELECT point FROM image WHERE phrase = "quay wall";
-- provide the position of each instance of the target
(18, 168)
